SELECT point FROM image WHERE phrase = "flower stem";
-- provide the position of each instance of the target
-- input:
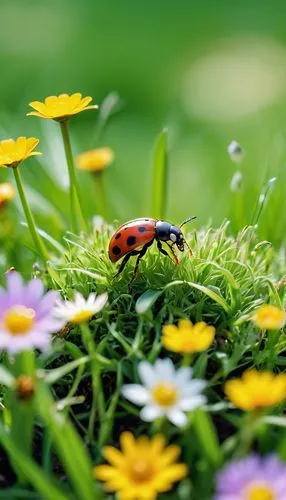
(39, 244)
(22, 412)
(247, 434)
(100, 189)
(76, 212)
(97, 392)
(187, 359)
(270, 348)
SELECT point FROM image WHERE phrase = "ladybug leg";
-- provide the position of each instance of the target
(141, 254)
(125, 260)
(173, 253)
(162, 250)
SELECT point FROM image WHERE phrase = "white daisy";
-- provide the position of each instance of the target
(165, 392)
(80, 310)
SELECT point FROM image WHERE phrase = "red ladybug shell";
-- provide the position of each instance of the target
(131, 235)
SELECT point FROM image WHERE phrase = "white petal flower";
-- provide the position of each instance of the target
(80, 310)
(165, 392)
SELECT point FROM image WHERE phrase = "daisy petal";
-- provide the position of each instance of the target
(177, 417)
(100, 302)
(136, 394)
(15, 288)
(147, 373)
(165, 369)
(151, 412)
(188, 404)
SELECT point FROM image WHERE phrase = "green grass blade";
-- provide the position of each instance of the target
(207, 436)
(205, 290)
(160, 176)
(31, 471)
(146, 300)
(263, 200)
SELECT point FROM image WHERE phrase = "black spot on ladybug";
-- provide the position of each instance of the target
(141, 229)
(131, 240)
(117, 236)
(116, 250)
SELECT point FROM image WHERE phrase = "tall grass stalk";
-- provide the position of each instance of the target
(160, 176)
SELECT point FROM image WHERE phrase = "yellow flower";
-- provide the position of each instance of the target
(256, 390)
(7, 193)
(268, 317)
(143, 469)
(61, 107)
(188, 338)
(95, 160)
(14, 152)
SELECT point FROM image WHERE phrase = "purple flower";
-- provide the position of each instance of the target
(252, 478)
(26, 315)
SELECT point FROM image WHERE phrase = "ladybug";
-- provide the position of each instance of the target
(142, 233)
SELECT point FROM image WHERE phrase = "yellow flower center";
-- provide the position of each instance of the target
(82, 316)
(165, 394)
(19, 319)
(141, 471)
(260, 493)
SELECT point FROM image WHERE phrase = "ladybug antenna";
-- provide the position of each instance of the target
(185, 241)
(187, 220)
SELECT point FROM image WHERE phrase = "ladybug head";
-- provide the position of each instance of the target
(177, 237)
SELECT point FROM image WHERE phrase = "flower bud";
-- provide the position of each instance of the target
(235, 152)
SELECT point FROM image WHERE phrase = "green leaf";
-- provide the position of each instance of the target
(48, 238)
(146, 300)
(160, 174)
(22, 412)
(273, 420)
(207, 436)
(85, 272)
(206, 290)
(32, 472)
(6, 378)
(68, 444)
(52, 376)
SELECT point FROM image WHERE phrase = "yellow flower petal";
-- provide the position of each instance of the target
(256, 390)
(188, 338)
(7, 193)
(157, 444)
(114, 456)
(170, 330)
(13, 152)
(269, 317)
(61, 107)
(104, 472)
(185, 324)
(95, 160)
(172, 474)
(143, 469)
(169, 455)
(127, 443)
(52, 100)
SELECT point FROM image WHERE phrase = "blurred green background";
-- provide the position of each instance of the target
(209, 71)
